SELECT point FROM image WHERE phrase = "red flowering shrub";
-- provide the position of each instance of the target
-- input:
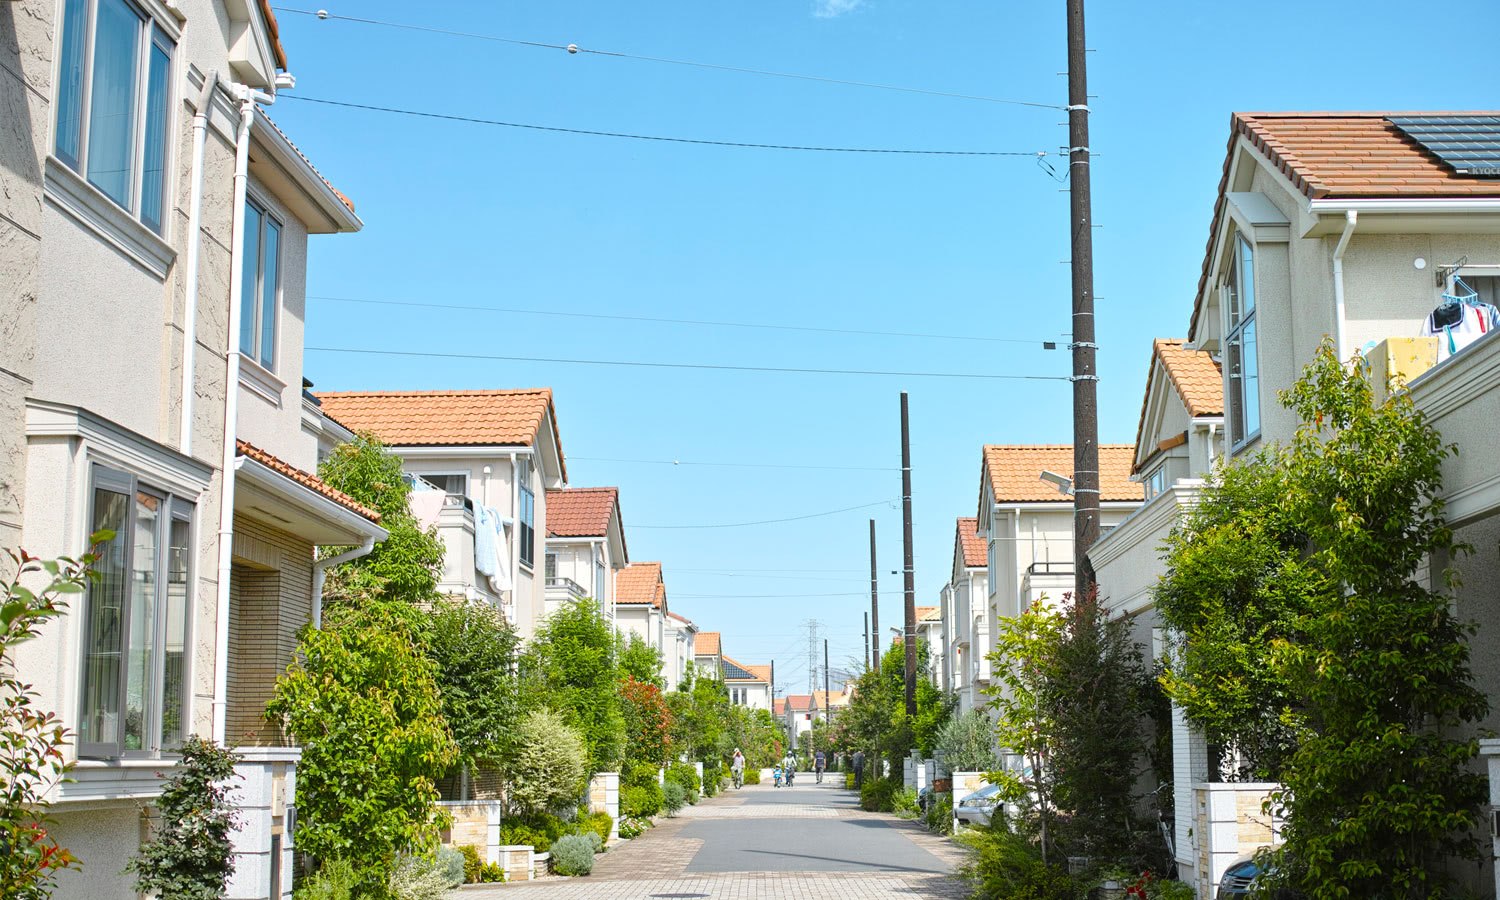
(648, 724)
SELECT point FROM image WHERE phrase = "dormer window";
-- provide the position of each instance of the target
(1243, 365)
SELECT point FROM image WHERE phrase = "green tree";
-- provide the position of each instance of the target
(648, 724)
(547, 772)
(968, 743)
(757, 734)
(876, 717)
(1025, 649)
(474, 651)
(191, 856)
(640, 660)
(32, 741)
(571, 667)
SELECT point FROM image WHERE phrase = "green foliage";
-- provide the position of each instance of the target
(686, 776)
(362, 701)
(1009, 866)
(713, 778)
(876, 719)
(474, 651)
(633, 827)
(409, 562)
(519, 834)
(600, 823)
(418, 878)
(573, 855)
(570, 666)
(939, 815)
(967, 743)
(641, 800)
(336, 879)
(752, 775)
(701, 719)
(639, 660)
(191, 856)
(758, 736)
(674, 797)
(453, 863)
(594, 839)
(546, 771)
(904, 803)
(32, 741)
(648, 723)
(878, 794)
(491, 873)
(473, 864)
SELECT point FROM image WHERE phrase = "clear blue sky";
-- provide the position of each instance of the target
(479, 215)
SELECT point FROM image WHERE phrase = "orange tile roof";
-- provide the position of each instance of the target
(580, 512)
(683, 619)
(972, 543)
(1014, 472)
(273, 31)
(830, 699)
(799, 701)
(760, 673)
(929, 614)
(1339, 154)
(1196, 377)
(250, 451)
(295, 149)
(778, 706)
(707, 643)
(507, 418)
(640, 583)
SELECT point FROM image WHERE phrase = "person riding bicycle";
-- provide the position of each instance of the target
(777, 773)
(819, 764)
(789, 764)
(737, 768)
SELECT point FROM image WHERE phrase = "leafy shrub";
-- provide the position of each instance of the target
(939, 816)
(878, 794)
(673, 797)
(547, 770)
(573, 855)
(631, 827)
(418, 878)
(491, 873)
(473, 865)
(336, 879)
(1010, 867)
(600, 823)
(518, 834)
(570, 663)
(641, 800)
(752, 776)
(713, 778)
(967, 743)
(906, 804)
(453, 863)
(848, 781)
(191, 856)
(686, 775)
(594, 839)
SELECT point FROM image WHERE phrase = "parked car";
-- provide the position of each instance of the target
(977, 808)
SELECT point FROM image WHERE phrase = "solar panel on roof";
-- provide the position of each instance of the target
(1469, 145)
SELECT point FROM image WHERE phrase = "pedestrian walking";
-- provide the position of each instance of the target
(859, 769)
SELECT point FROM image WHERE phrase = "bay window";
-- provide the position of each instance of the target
(114, 85)
(136, 620)
(260, 286)
(1244, 369)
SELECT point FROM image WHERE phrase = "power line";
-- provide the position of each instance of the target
(574, 48)
(666, 365)
(678, 596)
(776, 521)
(620, 318)
(661, 138)
(679, 462)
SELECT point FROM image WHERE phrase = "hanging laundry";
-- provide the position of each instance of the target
(426, 503)
(485, 553)
(1461, 320)
(501, 580)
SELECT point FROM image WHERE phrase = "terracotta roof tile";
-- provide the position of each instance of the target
(273, 31)
(1195, 374)
(830, 699)
(510, 418)
(799, 701)
(929, 614)
(580, 512)
(250, 451)
(1014, 472)
(1339, 154)
(707, 643)
(778, 706)
(640, 583)
(295, 149)
(683, 619)
(971, 542)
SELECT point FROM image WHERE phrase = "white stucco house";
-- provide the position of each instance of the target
(585, 546)
(154, 237)
(749, 686)
(963, 608)
(1349, 226)
(931, 628)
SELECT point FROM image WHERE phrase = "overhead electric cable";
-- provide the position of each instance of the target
(682, 462)
(661, 138)
(816, 515)
(574, 48)
(616, 317)
(679, 596)
(666, 365)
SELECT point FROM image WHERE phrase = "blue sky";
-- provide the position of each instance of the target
(480, 215)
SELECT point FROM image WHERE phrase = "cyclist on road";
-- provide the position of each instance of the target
(819, 763)
(737, 768)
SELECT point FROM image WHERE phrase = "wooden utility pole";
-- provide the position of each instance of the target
(911, 585)
(826, 701)
(874, 605)
(1085, 374)
(867, 640)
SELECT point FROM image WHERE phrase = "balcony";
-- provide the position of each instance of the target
(456, 531)
(1461, 398)
(1127, 560)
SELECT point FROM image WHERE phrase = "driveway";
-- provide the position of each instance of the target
(811, 842)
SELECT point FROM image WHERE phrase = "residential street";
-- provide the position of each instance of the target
(810, 842)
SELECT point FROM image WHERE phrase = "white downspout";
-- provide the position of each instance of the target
(195, 237)
(1351, 217)
(248, 98)
(515, 544)
(320, 571)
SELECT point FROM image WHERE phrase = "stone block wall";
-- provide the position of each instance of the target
(604, 796)
(1230, 823)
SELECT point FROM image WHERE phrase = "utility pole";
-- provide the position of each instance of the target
(911, 586)
(874, 605)
(1085, 374)
(826, 701)
(867, 641)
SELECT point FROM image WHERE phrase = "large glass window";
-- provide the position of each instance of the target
(527, 512)
(260, 285)
(600, 571)
(136, 621)
(113, 91)
(1244, 372)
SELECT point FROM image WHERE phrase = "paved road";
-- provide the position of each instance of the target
(811, 842)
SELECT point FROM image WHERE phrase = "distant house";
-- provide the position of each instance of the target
(677, 652)
(494, 455)
(930, 629)
(708, 653)
(749, 686)
(963, 612)
(585, 546)
(641, 609)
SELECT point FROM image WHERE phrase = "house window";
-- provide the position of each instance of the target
(527, 511)
(1156, 482)
(1244, 376)
(114, 81)
(599, 573)
(136, 621)
(454, 485)
(550, 567)
(260, 285)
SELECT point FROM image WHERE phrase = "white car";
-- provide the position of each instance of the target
(977, 808)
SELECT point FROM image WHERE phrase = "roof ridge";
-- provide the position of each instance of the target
(442, 392)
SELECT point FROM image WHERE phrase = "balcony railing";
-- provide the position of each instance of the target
(1050, 568)
(557, 583)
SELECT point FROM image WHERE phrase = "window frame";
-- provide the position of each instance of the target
(154, 31)
(175, 507)
(1156, 482)
(267, 213)
(600, 572)
(525, 513)
(1237, 321)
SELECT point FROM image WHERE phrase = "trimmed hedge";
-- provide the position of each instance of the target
(573, 855)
